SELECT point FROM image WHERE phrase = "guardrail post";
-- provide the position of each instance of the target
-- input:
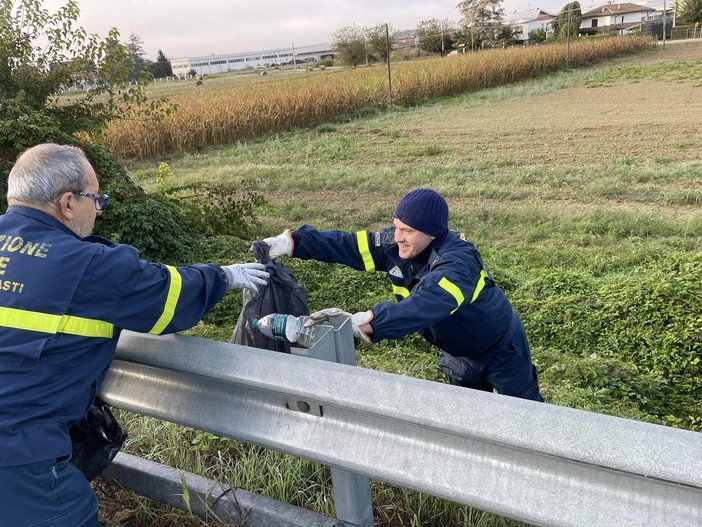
(352, 496)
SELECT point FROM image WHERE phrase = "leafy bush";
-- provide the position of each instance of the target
(655, 320)
(152, 224)
(556, 303)
(217, 209)
(537, 36)
(208, 209)
(635, 338)
(30, 80)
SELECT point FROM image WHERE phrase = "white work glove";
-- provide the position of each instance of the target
(281, 245)
(246, 276)
(360, 322)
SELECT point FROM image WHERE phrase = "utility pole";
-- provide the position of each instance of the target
(387, 47)
(570, 8)
(442, 38)
(664, 20)
(675, 14)
(294, 61)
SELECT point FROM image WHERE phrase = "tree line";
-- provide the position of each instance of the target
(136, 64)
(482, 25)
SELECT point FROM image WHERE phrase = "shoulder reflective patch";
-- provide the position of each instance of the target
(480, 285)
(53, 324)
(462, 236)
(395, 271)
(364, 250)
(387, 238)
(453, 290)
(171, 301)
(400, 291)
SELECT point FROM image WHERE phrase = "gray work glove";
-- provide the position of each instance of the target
(281, 245)
(360, 322)
(246, 276)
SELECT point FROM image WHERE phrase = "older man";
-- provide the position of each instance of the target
(65, 296)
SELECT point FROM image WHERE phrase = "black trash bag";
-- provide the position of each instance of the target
(282, 294)
(96, 439)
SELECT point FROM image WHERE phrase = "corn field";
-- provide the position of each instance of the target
(227, 115)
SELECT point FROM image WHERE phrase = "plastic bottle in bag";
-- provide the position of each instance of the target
(286, 327)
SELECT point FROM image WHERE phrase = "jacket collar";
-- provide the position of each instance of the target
(41, 217)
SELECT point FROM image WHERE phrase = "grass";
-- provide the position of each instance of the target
(599, 257)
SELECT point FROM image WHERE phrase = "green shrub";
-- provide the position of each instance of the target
(30, 80)
(217, 209)
(556, 305)
(654, 319)
(632, 337)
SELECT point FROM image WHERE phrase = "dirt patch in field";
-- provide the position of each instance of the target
(670, 50)
(584, 126)
(626, 121)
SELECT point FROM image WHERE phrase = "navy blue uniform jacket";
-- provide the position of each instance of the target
(451, 299)
(63, 302)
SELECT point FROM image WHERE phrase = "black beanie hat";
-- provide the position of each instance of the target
(425, 210)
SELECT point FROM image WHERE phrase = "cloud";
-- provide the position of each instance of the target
(183, 28)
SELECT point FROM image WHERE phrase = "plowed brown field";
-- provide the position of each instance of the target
(586, 126)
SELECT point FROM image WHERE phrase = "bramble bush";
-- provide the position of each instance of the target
(635, 336)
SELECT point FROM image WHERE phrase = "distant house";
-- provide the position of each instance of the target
(620, 18)
(527, 21)
(405, 41)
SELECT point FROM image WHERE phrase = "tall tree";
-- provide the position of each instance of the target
(377, 40)
(691, 12)
(483, 19)
(41, 55)
(567, 22)
(134, 59)
(350, 43)
(162, 67)
(436, 35)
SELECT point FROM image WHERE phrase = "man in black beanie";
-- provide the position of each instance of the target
(443, 290)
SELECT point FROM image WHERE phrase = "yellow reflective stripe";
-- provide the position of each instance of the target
(171, 301)
(363, 248)
(46, 323)
(85, 327)
(453, 290)
(400, 291)
(480, 285)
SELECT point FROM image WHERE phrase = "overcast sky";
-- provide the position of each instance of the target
(187, 28)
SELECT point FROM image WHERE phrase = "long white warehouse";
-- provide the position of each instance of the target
(251, 59)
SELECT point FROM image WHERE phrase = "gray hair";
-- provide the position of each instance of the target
(44, 172)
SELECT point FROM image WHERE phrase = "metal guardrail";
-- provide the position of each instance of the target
(534, 462)
(208, 498)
